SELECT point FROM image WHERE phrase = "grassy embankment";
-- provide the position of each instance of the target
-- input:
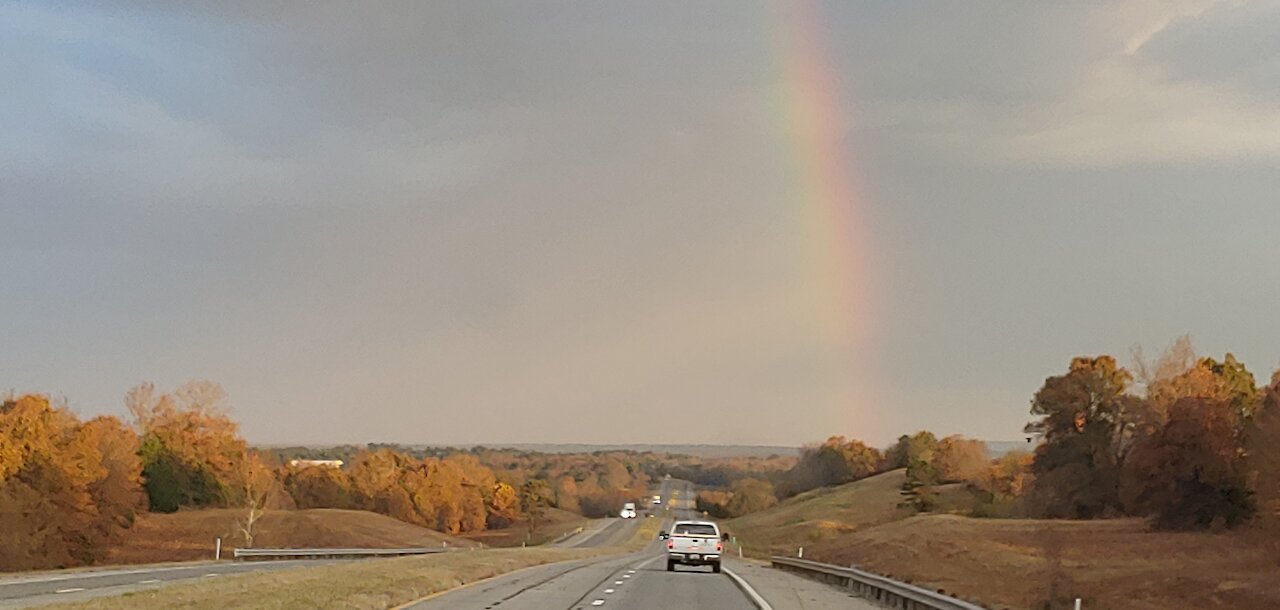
(189, 534)
(1014, 563)
(359, 585)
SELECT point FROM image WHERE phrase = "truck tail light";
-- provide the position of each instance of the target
(719, 546)
(671, 544)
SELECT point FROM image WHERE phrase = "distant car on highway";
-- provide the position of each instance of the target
(694, 543)
(628, 511)
(657, 499)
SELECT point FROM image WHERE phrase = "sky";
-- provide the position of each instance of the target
(713, 222)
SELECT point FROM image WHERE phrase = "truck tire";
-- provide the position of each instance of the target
(715, 567)
(671, 566)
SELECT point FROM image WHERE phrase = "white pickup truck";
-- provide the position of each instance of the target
(694, 543)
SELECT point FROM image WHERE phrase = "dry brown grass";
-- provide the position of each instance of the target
(1009, 563)
(1112, 564)
(831, 512)
(189, 534)
(359, 585)
(557, 523)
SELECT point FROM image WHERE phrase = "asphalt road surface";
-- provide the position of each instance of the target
(640, 581)
(40, 589)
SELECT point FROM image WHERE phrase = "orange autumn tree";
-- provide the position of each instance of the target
(192, 453)
(447, 495)
(66, 488)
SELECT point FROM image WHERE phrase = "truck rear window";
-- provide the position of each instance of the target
(694, 529)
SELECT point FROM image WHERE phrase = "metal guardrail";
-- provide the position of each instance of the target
(330, 553)
(873, 586)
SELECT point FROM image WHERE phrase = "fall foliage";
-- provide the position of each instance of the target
(66, 488)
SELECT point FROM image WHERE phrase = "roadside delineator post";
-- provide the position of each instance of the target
(217, 549)
(1078, 603)
(801, 553)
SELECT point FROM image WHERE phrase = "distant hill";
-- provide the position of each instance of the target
(706, 451)
(996, 449)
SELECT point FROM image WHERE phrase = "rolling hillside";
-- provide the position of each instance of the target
(189, 534)
(831, 512)
(1015, 563)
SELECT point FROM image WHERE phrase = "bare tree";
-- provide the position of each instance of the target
(258, 486)
(203, 396)
(1175, 360)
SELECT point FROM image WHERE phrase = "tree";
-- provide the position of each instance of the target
(534, 497)
(1264, 451)
(566, 494)
(922, 449)
(1090, 424)
(895, 457)
(192, 453)
(713, 502)
(319, 487)
(504, 506)
(118, 494)
(961, 459)
(922, 471)
(259, 483)
(1195, 477)
(72, 484)
(749, 496)
(834, 462)
(1001, 487)
(1157, 376)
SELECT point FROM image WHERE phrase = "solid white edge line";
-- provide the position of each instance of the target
(748, 590)
(71, 590)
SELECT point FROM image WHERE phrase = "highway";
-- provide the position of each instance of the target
(40, 589)
(640, 581)
(635, 581)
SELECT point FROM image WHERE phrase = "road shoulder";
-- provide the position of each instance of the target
(787, 591)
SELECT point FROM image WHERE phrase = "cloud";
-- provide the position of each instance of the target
(1149, 19)
(1120, 105)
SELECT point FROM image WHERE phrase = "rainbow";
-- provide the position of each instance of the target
(821, 182)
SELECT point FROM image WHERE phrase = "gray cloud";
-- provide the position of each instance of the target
(506, 221)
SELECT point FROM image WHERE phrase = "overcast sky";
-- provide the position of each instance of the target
(545, 222)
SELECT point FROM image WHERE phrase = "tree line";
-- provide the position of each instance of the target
(1188, 442)
(70, 488)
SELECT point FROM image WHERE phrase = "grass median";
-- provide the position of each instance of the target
(367, 584)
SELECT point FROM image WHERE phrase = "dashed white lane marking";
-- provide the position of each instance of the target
(631, 571)
(71, 590)
(210, 575)
(626, 576)
(617, 582)
(149, 582)
(598, 602)
(608, 591)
